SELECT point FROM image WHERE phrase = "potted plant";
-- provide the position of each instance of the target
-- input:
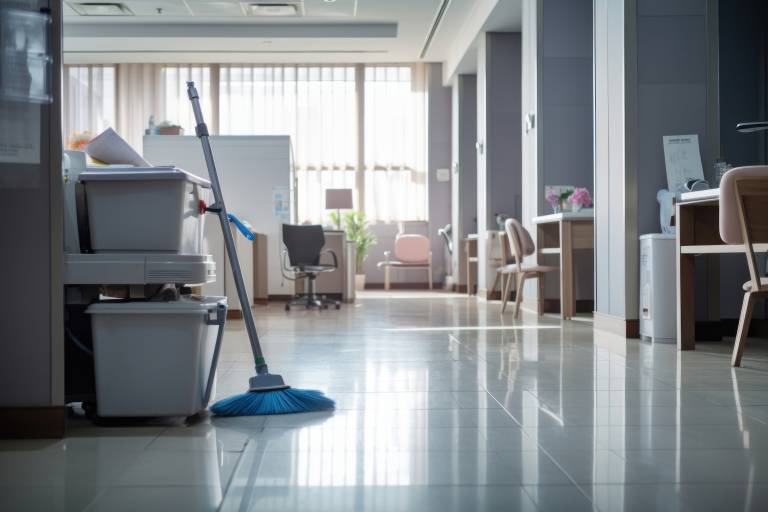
(356, 228)
(559, 198)
(169, 128)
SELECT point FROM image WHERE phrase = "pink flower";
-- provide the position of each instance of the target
(580, 197)
(553, 198)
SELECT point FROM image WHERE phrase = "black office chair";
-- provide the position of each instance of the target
(304, 249)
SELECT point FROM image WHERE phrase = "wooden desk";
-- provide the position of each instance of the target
(562, 234)
(698, 233)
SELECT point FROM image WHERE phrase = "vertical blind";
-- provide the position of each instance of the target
(317, 105)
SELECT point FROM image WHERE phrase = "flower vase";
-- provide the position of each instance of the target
(577, 207)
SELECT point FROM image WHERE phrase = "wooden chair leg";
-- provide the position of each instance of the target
(744, 320)
(519, 294)
(505, 284)
(429, 275)
(386, 277)
(541, 294)
(495, 283)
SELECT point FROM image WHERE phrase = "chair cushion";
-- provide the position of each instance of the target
(412, 248)
(747, 287)
(730, 224)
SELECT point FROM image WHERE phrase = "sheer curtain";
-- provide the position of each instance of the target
(395, 143)
(315, 105)
(89, 99)
(158, 90)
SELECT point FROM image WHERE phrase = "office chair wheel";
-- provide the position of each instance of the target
(325, 306)
(338, 305)
(287, 307)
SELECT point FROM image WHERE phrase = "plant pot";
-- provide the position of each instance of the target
(578, 207)
(359, 282)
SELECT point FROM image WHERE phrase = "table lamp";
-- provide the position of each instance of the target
(338, 199)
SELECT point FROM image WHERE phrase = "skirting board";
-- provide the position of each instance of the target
(626, 327)
(32, 422)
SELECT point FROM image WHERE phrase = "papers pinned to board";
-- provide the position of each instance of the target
(683, 160)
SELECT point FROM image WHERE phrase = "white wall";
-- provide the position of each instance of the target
(531, 142)
(250, 168)
(616, 246)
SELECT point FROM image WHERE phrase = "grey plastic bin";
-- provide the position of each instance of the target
(144, 209)
(155, 358)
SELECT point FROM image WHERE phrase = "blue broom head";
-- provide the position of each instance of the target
(280, 401)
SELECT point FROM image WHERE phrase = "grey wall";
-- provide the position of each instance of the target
(566, 117)
(438, 157)
(672, 91)
(464, 176)
(31, 344)
(743, 47)
(566, 95)
(499, 166)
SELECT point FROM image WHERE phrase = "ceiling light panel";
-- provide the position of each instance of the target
(224, 8)
(100, 8)
(274, 8)
(336, 9)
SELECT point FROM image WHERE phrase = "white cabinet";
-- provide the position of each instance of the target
(658, 297)
(256, 172)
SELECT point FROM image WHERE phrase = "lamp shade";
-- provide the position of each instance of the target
(338, 198)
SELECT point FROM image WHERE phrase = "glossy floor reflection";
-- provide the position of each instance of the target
(444, 405)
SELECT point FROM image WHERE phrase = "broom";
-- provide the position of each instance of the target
(267, 393)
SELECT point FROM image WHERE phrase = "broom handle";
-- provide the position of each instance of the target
(201, 130)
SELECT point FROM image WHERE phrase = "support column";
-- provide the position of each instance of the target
(499, 160)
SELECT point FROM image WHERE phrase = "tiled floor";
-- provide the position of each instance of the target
(443, 405)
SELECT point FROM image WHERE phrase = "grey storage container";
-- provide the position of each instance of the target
(154, 358)
(153, 209)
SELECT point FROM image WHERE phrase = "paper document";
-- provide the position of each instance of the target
(682, 159)
(112, 149)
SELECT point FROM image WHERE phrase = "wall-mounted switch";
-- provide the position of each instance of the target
(443, 175)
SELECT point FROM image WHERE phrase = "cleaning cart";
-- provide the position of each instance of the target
(139, 343)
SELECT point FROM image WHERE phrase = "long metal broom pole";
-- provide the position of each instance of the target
(201, 130)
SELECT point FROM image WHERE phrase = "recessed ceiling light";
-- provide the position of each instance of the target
(100, 9)
(273, 9)
(329, 1)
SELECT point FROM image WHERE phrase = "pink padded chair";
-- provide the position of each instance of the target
(744, 220)
(411, 251)
(522, 245)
